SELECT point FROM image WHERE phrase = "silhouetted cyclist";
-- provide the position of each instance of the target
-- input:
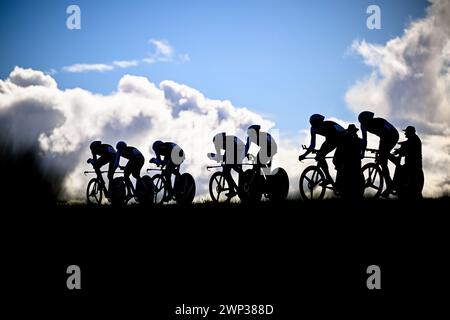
(411, 171)
(233, 154)
(134, 165)
(170, 155)
(333, 134)
(388, 139)
(106, 154)
(347, 159)
(267, 145)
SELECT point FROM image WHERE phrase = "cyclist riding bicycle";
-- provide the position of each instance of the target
(106, 154)
(388, 139)
(171, 156)
(134, 165)
(233, 154)
(333, 134)
(268, 146)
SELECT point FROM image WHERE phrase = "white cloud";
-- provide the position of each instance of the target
(63, 122)
(163, 50)
(184, 58)
(83, 67)
(29, 77)
(125, 63)
(149, 60)
(410, 84)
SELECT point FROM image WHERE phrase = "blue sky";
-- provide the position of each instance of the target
(284, 59)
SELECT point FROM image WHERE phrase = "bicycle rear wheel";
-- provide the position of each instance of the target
(160, 188)
(310, 183)
(218, 187)
(373, 180)
(145, 190)
(118, 192)
(278, 185)
(184, 188)
(251, 186)
(94, 192)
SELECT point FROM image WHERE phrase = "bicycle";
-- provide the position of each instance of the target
(219, 188)
(403, 185)
(373, 177)
(274, 185)
(312, 180)
(182, 191)
(96, 190)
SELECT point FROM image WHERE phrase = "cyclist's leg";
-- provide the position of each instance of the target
(170, 169)
(110, 174)
(325, 149)
(127, 171)
(384, 150)
(97, 167)
(228, 177)
(137, 167)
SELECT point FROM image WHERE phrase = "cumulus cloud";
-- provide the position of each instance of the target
(28, 77)
(410, 84)
(62, 123)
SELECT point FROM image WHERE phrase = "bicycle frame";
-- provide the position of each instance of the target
(234, 186)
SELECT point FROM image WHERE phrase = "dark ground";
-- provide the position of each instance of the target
(303, 258)
(298, 256)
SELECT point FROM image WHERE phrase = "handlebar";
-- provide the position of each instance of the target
(304, 147)
(103, 171)
(214, 166)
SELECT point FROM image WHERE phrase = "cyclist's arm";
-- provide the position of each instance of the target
(117, 161)
(94, 156)
(158, 157)
(312, 144)
(364, 138)
(247, 145)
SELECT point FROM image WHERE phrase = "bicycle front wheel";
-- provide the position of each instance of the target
(94, 192)
(311, 187)
(373, 180)
(218, 187)
(160, 189)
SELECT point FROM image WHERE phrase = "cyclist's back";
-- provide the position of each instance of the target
(171, 153)
(379, 127)
(131, 153)
(232, 147)
(104, 150)
(330, 130)
(266, 143)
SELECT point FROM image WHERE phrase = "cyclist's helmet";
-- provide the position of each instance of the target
(316, 119)
(253, 128)
(95, 144)
(220, 136)
(121, 145)
(156, 144)
(365, 116)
